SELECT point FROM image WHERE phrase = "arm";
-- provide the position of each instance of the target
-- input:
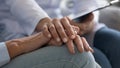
(27, 44)
(31, 16)
(27, 12)
(12, 48)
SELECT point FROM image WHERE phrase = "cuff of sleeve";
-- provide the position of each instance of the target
(30, 29)
(4, 55)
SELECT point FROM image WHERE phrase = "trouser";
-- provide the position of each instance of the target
(53, 57)
(101, 58)
(108, 41)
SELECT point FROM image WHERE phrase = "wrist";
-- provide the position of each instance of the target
(13, 48)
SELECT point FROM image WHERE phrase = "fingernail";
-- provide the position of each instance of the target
(91, 49)
(65, 40)
(75, 32)
(49, 35)
(73, 36)
(58, 40)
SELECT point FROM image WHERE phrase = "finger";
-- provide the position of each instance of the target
(70, 46)
(42, 22)
(46, 31)
(86, 45)
(68, 28)
(52, 42)
(79, 43)
(60, 30)
(53, 32)
(76, 29)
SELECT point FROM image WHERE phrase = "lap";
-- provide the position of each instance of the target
(101, 58)
(53, 57)
(108, 41)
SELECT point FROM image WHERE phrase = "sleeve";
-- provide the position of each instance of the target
(28, 12)
(4, 55)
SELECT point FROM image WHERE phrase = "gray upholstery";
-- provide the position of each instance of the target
(111, 17)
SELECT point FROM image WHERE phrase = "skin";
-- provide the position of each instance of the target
(85, 26)
(63, 32)
(56, 28)
(45, 35)
(27, 44)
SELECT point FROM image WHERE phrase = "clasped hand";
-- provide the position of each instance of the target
(61, 31)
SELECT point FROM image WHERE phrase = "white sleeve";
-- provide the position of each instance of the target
(4, 55)
(28, 12)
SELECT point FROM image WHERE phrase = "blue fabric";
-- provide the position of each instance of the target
(108, 41)
(101, 58)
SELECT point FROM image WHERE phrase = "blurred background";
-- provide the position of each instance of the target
(111, 16)
(59, 8)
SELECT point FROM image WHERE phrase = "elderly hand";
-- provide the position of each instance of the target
(63, 32)
(81, 45)
(57, 28)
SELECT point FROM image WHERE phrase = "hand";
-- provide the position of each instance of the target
(57, 29)
(85, 24)
(81, 45)
(80, 42)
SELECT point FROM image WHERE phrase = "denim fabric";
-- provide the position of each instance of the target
(101, 58)
(53, 57)
(108, 41)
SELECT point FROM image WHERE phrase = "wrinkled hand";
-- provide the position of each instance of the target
(63, 32)
(81, 45)
(57, 28)
(53, 42)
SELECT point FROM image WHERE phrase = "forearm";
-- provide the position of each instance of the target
(27, 44)
(13, 48)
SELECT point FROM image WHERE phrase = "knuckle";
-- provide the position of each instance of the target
(77, 36)
(59, 28)
(69, 26)
(45, 33)
(63, 19)
(55, 20)
(51, 27)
